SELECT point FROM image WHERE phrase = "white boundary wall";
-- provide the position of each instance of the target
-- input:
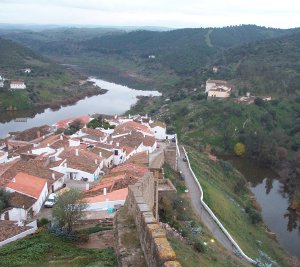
(214, 217)
(21, 235)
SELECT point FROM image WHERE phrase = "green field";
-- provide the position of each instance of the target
(45, 249)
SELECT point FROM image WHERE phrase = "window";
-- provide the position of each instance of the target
(116, 152)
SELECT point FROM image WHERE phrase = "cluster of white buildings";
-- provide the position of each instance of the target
(15, 84)
(38, 162)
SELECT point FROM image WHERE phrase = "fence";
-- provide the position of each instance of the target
(214, 217)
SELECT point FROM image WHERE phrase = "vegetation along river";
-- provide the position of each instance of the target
(117, 100)
(274, 202)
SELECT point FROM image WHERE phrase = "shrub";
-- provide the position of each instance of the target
(199, 246)
(239, 149)
(42, 222)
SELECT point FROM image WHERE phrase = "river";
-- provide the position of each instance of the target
(274, 201)
(117, 100)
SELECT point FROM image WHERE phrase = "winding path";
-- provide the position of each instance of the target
(195, 194)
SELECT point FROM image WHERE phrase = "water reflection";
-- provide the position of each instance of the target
(274, 199)
(117, 100)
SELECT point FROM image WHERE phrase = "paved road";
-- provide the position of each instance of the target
(195, 194)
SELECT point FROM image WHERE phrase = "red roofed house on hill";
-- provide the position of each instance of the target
(30, 186)
(17, 85)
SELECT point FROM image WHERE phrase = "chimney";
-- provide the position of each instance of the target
(61, 137)
(87, 186)
(48, 144)
(96, 161)
(118, 144)
(13, 180)
(38, 134)
(53, 175)
(76, 152)
(66, 165)
(100, 154)
(104, 191)
(129, 116)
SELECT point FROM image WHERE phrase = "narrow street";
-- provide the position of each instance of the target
(195, 195)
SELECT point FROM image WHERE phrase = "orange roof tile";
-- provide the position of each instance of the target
(27, 184)
(113, 196)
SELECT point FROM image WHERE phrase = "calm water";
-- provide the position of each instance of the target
(117, 100)
(274, 201)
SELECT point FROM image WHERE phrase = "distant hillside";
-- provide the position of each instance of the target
(269, 66)
(47, 83)
(182, 50)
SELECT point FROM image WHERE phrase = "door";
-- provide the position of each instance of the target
(6, 216)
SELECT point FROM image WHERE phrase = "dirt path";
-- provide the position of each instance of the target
(100, 240)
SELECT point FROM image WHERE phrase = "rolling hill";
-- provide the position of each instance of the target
(48, 83)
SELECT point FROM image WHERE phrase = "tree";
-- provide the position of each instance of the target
(69, 209)
(4, 199)
(239, 149)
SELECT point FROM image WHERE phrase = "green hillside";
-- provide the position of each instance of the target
(124, 56)
(269, 66)
(48, 83)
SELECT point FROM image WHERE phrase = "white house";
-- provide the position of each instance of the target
(21, 208)
(27, 70)
(80, 164)
(219, 93)
(17, 85)
(1, 83)
(211, 84)
(159, 128)
(30, 186)
(3, 157)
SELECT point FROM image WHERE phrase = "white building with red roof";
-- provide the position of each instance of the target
(107, 200)
(30, 186)
(17, 85)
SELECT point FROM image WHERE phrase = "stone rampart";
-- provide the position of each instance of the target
(139, 203)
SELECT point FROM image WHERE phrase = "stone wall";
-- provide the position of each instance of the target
(171, 156)
(139, 203)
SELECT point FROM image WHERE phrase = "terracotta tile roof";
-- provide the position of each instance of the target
(31, 167)
(149, 141)
(158, 123)
(64, 124)
(33, 133)
(128, 149)
(17, 200)
(27, 184)
(85, 160)
(133, 140)
(113, 196)
(10, 229)
(132, 125)
(141, 158)
(93, 133)
(105, 153)
(112, 177)
(131, 168)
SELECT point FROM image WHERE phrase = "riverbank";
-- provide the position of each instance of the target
(117, 100)
(226, 193)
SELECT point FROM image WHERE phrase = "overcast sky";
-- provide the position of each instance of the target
(168, 13)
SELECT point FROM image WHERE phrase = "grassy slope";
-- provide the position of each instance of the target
(214, 255)
(48, 82)
(228, 204)
(47, 250)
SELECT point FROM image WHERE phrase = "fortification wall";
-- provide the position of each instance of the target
(139, 203)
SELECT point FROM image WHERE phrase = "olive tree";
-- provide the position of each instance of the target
(4, 199)
(69, 209)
